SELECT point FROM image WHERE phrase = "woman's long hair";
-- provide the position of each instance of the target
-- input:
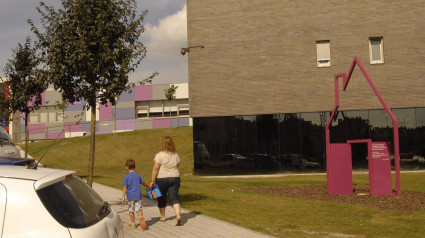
(168, 145)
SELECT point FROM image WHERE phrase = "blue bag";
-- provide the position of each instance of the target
(154, 192)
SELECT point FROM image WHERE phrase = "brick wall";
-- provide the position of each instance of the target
(260, 55)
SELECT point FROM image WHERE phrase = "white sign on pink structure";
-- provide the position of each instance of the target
(380, 169)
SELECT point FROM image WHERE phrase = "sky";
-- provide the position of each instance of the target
(165, 34)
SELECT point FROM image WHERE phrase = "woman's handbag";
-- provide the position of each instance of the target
(154, 192)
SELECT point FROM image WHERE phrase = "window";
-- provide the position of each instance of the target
(162, 108)
(73, 204)
(183, 107)
(323, 53)
(156, 109)
(376, 49)
(142, 109)
(46, 114)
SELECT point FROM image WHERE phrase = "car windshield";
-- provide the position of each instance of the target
(73, 203)
(3, 134)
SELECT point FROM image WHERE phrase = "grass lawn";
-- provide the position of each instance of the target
(227, 198)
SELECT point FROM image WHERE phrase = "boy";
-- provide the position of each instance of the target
(131, 188)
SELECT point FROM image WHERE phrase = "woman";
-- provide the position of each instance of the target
(166, 174)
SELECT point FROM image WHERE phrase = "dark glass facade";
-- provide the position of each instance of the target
(295, 142)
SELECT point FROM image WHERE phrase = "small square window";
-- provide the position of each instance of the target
(376, 49)
(33, 118)
(323, 53)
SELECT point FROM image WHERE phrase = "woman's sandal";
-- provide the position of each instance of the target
(161, 219)
(179, 222)
(131, 226)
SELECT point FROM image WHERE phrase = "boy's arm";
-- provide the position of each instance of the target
(146, 185)
(124, 191)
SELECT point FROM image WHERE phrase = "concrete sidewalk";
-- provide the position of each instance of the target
(194, 224)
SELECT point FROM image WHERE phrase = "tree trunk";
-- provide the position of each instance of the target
(169, 106)
(92, 144)
(27, 135)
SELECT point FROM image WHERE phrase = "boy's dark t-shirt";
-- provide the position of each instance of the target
(133, 180)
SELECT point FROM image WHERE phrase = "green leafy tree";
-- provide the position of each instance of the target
(90, 47)
(26, 84)
(170, 94)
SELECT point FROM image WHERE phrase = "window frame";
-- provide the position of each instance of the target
(321, 46)
(381, 50)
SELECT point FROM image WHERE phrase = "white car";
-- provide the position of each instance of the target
(52, 203)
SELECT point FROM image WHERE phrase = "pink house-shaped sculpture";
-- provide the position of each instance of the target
(338, 155)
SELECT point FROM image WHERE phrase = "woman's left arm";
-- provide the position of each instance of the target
(178, 164)
(155, 171)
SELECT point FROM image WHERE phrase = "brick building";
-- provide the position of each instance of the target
(263, 83)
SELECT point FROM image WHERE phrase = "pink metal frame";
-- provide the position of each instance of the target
(346, 78)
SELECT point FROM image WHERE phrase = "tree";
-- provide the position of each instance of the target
(26, 84)
(170, 94)
(90, 47)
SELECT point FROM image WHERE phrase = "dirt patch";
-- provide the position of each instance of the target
(408, 201)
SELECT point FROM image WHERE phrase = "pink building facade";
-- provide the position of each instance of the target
(144, 107)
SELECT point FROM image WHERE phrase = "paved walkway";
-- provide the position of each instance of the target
(194, 224)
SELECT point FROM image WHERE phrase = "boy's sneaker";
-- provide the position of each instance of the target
(142, 223)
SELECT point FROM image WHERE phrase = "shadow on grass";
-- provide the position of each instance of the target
(191, 197)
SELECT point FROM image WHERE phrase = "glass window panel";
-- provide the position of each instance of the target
(405, 117)
(33, 119)
(379, 119)
(141, 114)
(170, 106)
(420, 117)
(52, 116)
(43, 117)
(357, 126)
(357, 114)
(376, 50)
(155, 107)
(60, 116)
(155, 114)
(186, 106)
(183, 113)
(248, 118)
(315, 118)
